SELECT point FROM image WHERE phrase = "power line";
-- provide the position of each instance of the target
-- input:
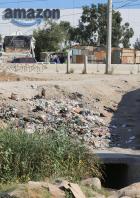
(22, 1)
(127, 4)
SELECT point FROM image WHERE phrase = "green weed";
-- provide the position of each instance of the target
(25, 157)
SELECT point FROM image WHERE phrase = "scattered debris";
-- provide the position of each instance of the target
(42, 115)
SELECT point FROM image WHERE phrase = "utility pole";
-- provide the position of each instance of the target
(109, 38)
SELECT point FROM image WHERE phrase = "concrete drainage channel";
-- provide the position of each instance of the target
(120, 170)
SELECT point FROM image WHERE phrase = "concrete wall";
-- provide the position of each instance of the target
(76, 68)
(133, 173)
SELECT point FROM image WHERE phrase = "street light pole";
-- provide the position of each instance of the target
(109, 38)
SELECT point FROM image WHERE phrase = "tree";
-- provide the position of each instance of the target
(92, 28)
(137, 44)
(67, 33)
(127, 33)
(51, 39)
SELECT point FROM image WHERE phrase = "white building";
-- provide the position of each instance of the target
(13, 26)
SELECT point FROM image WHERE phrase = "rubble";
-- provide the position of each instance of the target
(48, 115)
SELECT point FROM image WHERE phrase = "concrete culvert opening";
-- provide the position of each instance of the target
(115, 176)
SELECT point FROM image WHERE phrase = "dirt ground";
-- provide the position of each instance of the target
(117, 97)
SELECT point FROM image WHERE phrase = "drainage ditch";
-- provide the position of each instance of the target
(115, 176)
(119, 170)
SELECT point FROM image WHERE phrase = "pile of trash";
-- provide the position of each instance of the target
(44, 115)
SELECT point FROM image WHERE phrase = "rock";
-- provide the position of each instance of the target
(55, 191)
(43, 92)
(132, 191)
(74, 188)
(14, 97)
(92, 182)
(36, 189)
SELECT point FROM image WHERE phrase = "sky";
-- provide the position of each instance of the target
(64, 3)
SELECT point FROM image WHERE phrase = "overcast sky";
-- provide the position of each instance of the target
(63, 3)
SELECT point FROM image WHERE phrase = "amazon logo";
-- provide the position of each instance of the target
(31, 14)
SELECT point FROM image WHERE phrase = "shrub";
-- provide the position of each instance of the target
(26, 157)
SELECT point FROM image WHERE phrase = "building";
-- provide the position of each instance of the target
(97, 55)
(25, 21)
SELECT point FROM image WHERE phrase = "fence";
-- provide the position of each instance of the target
(73, 68)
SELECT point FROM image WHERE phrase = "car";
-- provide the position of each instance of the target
(24, 60)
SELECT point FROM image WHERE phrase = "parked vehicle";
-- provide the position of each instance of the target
(24, 60)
